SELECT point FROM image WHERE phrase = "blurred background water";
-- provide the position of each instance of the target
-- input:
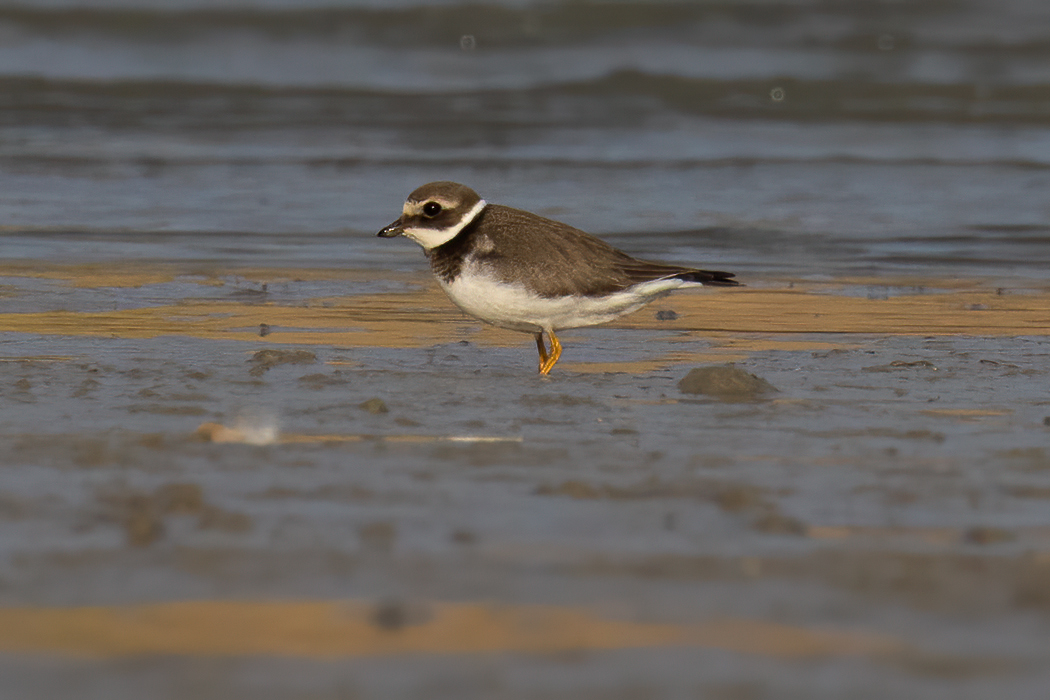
(772, 137)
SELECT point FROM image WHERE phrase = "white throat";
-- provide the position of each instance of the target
(432, 238)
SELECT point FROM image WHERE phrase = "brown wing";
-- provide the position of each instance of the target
(557, 259)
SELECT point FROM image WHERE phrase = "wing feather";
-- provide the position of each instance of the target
(559, 260)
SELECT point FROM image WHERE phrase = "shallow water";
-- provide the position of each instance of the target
(802, 137)
(190, 193)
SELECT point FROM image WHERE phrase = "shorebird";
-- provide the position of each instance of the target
(521, 271)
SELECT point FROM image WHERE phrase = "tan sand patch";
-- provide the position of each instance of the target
(967, 413)
(737, 321)
(339, 629)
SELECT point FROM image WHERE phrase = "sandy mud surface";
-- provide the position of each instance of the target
(332, 484)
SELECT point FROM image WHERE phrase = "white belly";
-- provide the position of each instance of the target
(512, 306)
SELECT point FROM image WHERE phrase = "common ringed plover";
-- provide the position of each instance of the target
(520, 271)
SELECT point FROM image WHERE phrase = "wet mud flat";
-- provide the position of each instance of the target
(273, 482)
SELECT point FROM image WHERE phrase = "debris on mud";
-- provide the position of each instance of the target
(264, 360)
(902, 364)
(725, 382)
(321, 380)
(262, 432)
(375, 406)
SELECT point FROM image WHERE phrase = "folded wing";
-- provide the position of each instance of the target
(559, 260)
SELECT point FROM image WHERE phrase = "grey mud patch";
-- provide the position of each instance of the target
(905, 502)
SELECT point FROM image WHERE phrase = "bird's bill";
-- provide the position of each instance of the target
(394, 229)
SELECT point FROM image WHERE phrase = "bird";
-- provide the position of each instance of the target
(518, 270)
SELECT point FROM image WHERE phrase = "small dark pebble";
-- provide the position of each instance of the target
(1046, 421)
(375, 406)
(464, 537)
(390, 615)
(666, 315)
(778, 524)
(394, 615)
(726, 382)
(264, 330)
(987, 535)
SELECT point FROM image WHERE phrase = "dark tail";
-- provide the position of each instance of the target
(710, 278)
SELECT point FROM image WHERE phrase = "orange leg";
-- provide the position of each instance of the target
(542, 349)
(547, 362)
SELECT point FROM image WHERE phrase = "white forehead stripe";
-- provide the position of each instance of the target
(433, 237)
(411, 207)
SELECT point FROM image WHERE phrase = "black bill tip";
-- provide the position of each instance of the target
(394, 229)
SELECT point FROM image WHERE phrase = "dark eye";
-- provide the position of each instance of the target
(431, 209)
